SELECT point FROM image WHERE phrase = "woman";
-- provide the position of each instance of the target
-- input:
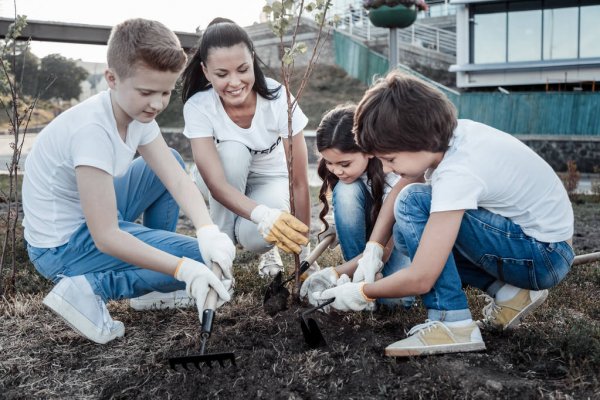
(237, 122)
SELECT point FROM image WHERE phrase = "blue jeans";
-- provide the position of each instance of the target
(490, 250)
(138, 192)
(352, 204)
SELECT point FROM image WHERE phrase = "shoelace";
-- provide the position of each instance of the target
(426, 326)
(491, 309)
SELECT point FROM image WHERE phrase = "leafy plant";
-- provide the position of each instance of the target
(571, 178)
(19, 111)
(285, 16)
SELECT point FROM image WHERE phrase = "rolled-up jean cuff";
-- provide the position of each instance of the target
(448, 315)
(494, 287)
(96, 287)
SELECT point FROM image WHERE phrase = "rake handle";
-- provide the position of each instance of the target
(586, 258)
(319, 249)
(209, 306)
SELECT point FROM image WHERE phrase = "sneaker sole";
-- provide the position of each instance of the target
(526, 311)
(437, 349)
(72, 317)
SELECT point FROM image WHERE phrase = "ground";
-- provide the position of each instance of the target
(554, 354)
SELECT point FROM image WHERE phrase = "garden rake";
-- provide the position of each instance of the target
(207, 322)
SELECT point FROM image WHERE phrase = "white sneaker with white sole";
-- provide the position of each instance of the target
(161, 301)
(74, 300)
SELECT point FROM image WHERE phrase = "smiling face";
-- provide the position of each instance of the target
(141, 96)
(230, 70)
(410, 164)
(348, 167)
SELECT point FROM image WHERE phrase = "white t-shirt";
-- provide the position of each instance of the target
(488, 168)
(390, 181)
(205, 116)
(83, 135)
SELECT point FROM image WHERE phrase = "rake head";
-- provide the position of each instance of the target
(203, 359)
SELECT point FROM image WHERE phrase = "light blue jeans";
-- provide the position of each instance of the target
(352, 204)
(138, 192)
(490, 250)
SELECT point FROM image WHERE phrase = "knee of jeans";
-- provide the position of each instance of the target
(178, 157)
(348, 195)
(415, 197)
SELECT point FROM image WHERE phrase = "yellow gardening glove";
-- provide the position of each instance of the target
(280, 228)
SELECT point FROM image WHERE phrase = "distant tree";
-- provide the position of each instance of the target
(67, 77)
(25, 66)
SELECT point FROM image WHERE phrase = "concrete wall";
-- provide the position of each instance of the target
(556, 150)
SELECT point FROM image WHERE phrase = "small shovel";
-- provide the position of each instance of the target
(310, 329)
(207, 321)
(277, 286)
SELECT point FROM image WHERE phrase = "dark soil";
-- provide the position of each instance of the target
(554, 354)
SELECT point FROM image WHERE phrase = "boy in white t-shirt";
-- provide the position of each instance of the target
(492, 215)
(82, 194)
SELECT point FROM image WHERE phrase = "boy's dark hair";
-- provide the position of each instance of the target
(222, 32)
(335, 132)
(403, 113)
(138, 41)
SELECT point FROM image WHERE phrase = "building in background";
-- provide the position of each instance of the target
(550, 45)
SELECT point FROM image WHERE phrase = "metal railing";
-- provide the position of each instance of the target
(356, 23)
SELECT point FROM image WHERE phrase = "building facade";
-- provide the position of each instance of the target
(528, 43)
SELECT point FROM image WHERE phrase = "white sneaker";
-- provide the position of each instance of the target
(74, 300)
(270, 263)
(434, 337)
(161, 301)
(508, 314)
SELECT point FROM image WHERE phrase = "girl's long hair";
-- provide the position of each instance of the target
(335, 132)
(221, 32)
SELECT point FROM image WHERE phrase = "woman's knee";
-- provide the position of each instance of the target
(349, 195)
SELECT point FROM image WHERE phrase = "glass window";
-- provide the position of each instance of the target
(489, 38)
(590, 32)
(524, 35)
(561, 27)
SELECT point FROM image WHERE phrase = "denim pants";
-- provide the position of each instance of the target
(270, 190)
(490, 250)
(138, 192)
(352, 204)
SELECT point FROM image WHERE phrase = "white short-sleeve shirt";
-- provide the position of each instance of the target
(205, 116)
(86, 134)
(487, 168)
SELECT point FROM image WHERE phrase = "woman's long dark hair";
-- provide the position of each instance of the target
(335, 132)
(221, 32)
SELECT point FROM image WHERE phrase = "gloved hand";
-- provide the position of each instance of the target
(314, 267)
(317, 282)
(216, 246)
(349, 296)
(369, 264)
(199, 279)
(280, 228)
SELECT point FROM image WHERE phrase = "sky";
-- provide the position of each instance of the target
(179, 15)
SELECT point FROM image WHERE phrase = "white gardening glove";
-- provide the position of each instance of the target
(216, 246)
(317, 282)
(349, 296)
(280, 228)
(314, 267)
(369, 264)
(199, 279)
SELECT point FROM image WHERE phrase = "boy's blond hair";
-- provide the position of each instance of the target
(403, 113)
(138, 42)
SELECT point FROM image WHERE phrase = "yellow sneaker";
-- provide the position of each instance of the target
(434, 337)
(508, 314)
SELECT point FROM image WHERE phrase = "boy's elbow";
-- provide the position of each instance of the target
(103, 242)
(423, 284)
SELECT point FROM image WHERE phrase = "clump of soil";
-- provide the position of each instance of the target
(276, 296)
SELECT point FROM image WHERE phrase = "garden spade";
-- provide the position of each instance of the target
(277, 286)
(310, 329)
(207, 321)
